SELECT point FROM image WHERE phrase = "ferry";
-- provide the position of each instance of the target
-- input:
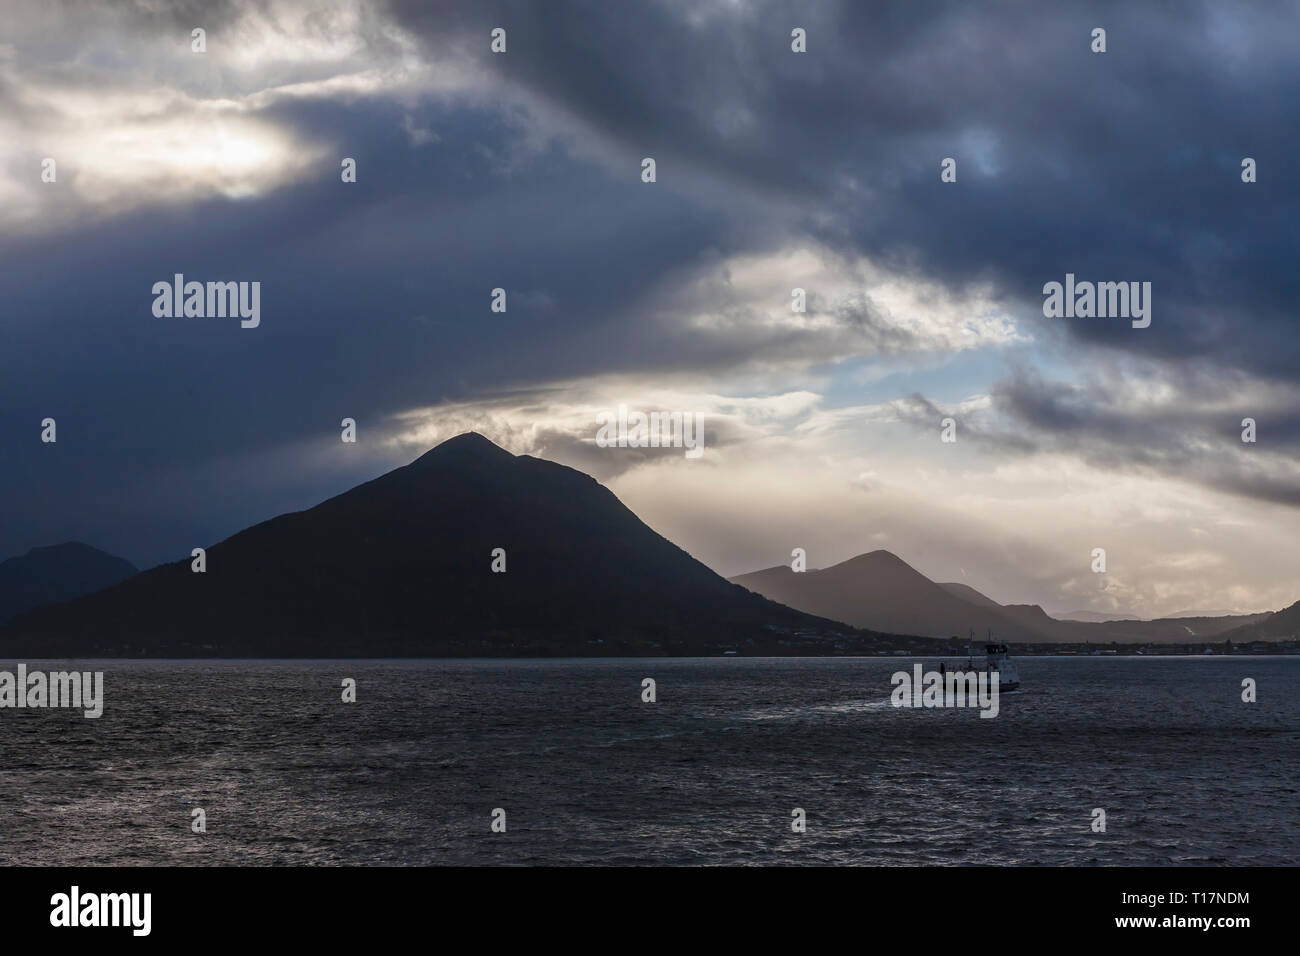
(996, 660)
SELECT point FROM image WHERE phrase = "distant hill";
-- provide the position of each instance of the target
(1095, 617)
(1282, 626)
(1202, 613)
(56, 573)
(401, 566)
(880, 591)
(1166, 630)
(1036, 619)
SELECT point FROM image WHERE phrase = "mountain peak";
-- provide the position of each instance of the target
(465, 447)
(66, 547)
(879, 557)
(413, 563)
(57, 572)
(881, 592)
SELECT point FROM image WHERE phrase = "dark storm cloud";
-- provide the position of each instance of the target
(925, 416)
(1104, 424)
(1119, 166)
(373, 301)
(375, 296)
(1190, 433)
(1122, 165)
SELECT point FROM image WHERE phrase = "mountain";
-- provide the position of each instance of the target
(1096, 617)
(881, 592)
(1029, 616)
(1282, 626)
(968, 594)
(57, 573)
(1163, 630)
(401, 566)
(1034, 618)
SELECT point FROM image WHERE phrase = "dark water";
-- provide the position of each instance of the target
(410, 774)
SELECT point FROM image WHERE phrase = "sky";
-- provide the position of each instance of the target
(775, 170)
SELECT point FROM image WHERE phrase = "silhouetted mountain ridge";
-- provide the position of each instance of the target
(880, 591)
(59, 572)
(401, 565)
(883, 588)
(1283, 625)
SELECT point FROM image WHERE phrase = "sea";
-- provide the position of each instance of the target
(737, 761)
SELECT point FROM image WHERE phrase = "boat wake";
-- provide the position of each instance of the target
(816, 710)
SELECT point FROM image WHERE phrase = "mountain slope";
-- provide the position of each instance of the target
(401, 565)
(968, 594)
(881, 592)
(1161, 630)
(1282, 626)
(57, 573)
(1095, 617)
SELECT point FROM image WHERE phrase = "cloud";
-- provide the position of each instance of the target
(1143, 418)
(165, 124)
